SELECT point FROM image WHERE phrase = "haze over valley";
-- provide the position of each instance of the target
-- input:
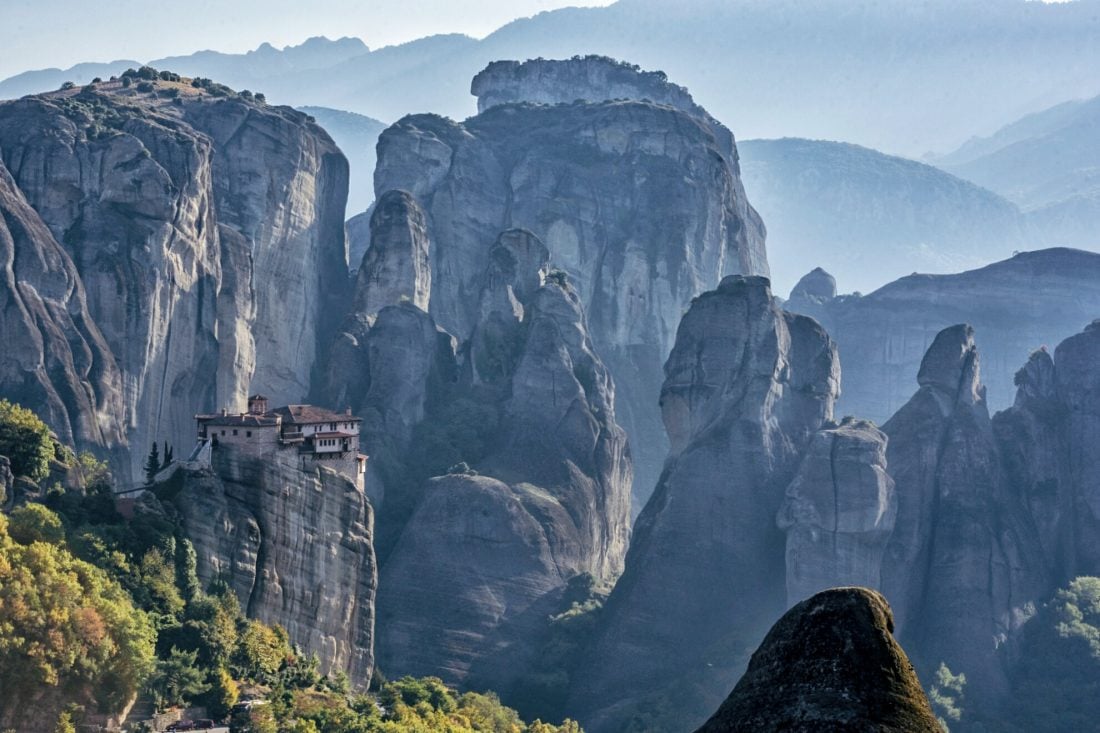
(641, 367)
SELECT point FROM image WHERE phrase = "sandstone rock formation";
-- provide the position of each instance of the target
(358, 232)
(396, 266)
(746, 388)
(637, 247)
(831, 664)
(1077, 378)
(839, 511)
(408, 358)
(816, 288)
(466, 594)
(1032, 437)
(54, 359)
(1015, 306)
(295, 545)
(487, 551)
(964, 562)
(1047, 439)
(589, 78)
(208, 235)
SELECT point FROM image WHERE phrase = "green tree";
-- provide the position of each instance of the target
(96, 473)
(187, 573)
(35, 523)
(1057, 679)
(65, 723)
(158, 579)
(176, 680)
(209, 629)
(26, 441)
(152, 464)
(222, 695)
(260, 719)
(946, 696)
(261, 652)
(167, 456)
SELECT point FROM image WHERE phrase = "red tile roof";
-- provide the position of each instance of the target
(238, 421)
(310, 415)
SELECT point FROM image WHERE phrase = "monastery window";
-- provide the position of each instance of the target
(234, 431)
(223, 432)
(248, 433)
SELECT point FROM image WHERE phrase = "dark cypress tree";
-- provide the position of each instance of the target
(152, 464)
(167, 455)
(187, 576)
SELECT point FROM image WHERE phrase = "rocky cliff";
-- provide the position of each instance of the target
(498, 467)
(397, 267)
(963, 567)
(746, 388)
(593, 79)
(830, 664)
(295, 545)
(55, 360)
(637, 246)
(1015, 306)
(839, 511)
(487, 551)
(207, 231)
(1047, 440)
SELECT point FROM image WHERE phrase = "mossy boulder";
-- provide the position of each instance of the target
(830, 664)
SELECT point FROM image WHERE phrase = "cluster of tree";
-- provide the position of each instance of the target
(1056, 683)
(26, 441)
(64, 622)
(215, 89)
(154, 464)
(407, 705)
(1054, 672)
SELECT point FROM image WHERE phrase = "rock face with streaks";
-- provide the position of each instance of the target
(839, 511)
(830, 664)
(207, 233)
(295, 545)
(55, 360)
(409, 358)
(1015, 306)
(590, 78)
(1048, 440)
(395, 267)
(1078, 384)
(964, 562)
(487, 551)
(637, 246)
(747, 387)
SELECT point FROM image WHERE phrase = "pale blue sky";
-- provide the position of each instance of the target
(47, 33)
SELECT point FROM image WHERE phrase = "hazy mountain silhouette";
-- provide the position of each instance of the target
(1049, 164)
(867, 217)
(901, 77)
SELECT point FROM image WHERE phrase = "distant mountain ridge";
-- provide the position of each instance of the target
(772, 68)
(1048, 163)
(869, 218)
